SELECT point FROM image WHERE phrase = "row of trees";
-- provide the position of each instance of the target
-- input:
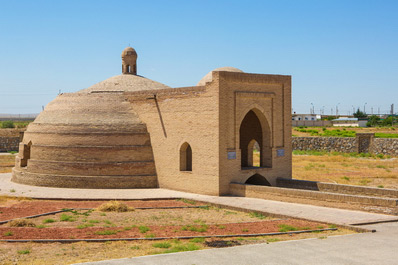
(375, 120)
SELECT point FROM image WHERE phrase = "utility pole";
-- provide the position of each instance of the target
(371, 110)
(392, 109)
(364, 111)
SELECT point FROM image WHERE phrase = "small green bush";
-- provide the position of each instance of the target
(26, 251)
(7, 124)
(47, 221)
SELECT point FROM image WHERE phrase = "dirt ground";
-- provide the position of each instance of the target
(372, 172)
(146, 223)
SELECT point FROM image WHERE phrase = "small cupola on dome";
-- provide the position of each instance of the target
(129, 61)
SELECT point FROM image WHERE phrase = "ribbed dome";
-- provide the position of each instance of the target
(126, 83)
(87, 140)
(209, 76)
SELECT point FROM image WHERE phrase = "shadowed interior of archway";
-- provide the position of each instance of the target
(257, 179)
(253, 130)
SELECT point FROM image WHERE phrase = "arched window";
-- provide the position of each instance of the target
(128, 69)
(185, 157)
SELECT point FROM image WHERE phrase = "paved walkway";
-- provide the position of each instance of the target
(310, 212)
(368, 248)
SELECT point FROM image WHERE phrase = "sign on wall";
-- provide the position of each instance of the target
(231, 155)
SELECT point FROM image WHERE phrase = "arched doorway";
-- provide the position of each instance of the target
(254, 132)
(257, 179)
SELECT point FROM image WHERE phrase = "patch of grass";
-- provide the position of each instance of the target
(162, 245)
(270, 240)
(197, 240)
(106, 232)
(181, 248)
(93, 221)
(114, 206)
(150, 236)
(8, 233)
(40, 226)
(66, 218)
(332, 226)
(49, 220)
(345, 178)
(229, 212)
(25, 251)
(143, 229)
(12, 190)
(286, 228)
(257, 215)
(21, 223)
(187, 201)
(364, 182)
(380, 186)
(135, 247)
(221, 226)
(245, 230)
(82, 226)
(102, 214)
(195, 228)
(322, 237)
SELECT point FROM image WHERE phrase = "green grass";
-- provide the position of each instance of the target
(325, 153)
(82, 226)
(66, 218)
(106, 232)
(257, 215)
(143, 229)
(25, 251)
(286, 228)
(386, 135)
(187, 201)
(8, 233)
(49, 220)
(195, 228)
(150, 236)
(40, 226)
(181, 248)
(197, 240)
(270, 240)
(93, 221)
(346, 178)
(162, 245)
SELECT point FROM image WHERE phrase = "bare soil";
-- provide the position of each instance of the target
(140, 223)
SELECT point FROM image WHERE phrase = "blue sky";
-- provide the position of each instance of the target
(341, 53)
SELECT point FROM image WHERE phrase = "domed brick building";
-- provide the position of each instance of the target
(132, 132)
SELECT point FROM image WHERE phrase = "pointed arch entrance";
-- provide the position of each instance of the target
(254, 128)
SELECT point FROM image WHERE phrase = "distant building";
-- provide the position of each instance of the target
(346, 121)
(305, 117)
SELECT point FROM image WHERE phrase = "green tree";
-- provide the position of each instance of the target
(359, 114)
(373, 121)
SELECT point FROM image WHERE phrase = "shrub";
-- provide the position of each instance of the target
(7, 124)
(114, 206)
(66, 218)
(21, 223)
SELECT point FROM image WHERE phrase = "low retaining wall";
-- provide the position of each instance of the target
(9, 144)
(255, 191)
(336, 188)
(363, 143)
(330, 144)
